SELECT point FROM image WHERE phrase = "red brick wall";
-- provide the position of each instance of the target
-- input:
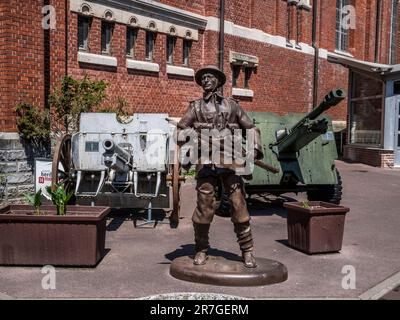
(145, 92)
(373, 157)
(21, 58)
(283, 82)
(58, 58)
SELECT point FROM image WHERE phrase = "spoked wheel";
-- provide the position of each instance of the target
(176, 186)
(62, 164)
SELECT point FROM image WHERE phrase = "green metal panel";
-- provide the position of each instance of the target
(313, 164)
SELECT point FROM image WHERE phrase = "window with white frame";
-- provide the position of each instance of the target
(83, 33)
(342, 31)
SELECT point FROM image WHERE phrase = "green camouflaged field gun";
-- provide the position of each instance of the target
(303, 147)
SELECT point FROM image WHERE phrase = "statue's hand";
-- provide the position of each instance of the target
(258, 155)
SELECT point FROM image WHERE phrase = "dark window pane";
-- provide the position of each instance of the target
(149, 45)
(106, 32)
(187, 44)
(247, 76)
(170, 49)
(365, 86)
(235, 75)
(396, 87)
(130, 42)
(365, 121)
(83, 32)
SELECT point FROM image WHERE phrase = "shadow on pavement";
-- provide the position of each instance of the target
(118, 216)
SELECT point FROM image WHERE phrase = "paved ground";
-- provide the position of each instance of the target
(137, 263)
(392, 295)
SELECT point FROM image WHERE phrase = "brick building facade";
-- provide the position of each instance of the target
(269, 54)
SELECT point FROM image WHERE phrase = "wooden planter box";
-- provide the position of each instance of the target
(318, 229)
(77, 239)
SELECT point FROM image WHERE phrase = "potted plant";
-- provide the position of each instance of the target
(60, 198)
(58, 235)
(315, 226)
(35, 201)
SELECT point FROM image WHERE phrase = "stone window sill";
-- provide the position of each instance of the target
(97, 59)
(180, 71)
(142, 65)
(344, 53)
(246, 93)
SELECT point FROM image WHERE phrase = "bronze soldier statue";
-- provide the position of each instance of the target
(218, 112)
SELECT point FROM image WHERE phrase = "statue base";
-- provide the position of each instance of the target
(220, 271)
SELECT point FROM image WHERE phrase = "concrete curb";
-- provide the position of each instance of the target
(382, 288)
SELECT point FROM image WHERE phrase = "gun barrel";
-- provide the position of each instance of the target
(308, 128)
(110, 146)
(331, 99)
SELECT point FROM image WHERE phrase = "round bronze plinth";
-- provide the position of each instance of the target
(220, 271)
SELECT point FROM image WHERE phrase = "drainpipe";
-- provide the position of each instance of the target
(378, 29)
(66, 36)
(316, 54)
(221, 51)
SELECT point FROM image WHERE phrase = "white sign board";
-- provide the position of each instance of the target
(42, 174)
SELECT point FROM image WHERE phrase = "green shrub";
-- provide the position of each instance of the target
(72, 98)
(33, 123)
(35, 200)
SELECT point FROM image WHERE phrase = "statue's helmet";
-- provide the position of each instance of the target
(213, 70)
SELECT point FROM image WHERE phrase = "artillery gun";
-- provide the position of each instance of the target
(303, 148)
(121, 164)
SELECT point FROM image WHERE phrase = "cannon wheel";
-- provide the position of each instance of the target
(176, 187)
(62, 164)
(328, 193)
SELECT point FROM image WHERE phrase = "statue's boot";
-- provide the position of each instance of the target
(245, 240)
(202, 243)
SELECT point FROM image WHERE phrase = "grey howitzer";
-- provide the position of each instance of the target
(121, 163)
(290, 141)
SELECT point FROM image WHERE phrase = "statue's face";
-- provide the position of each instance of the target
(209, 82)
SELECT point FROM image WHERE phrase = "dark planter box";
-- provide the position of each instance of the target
(77, 239)
(318, 229)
